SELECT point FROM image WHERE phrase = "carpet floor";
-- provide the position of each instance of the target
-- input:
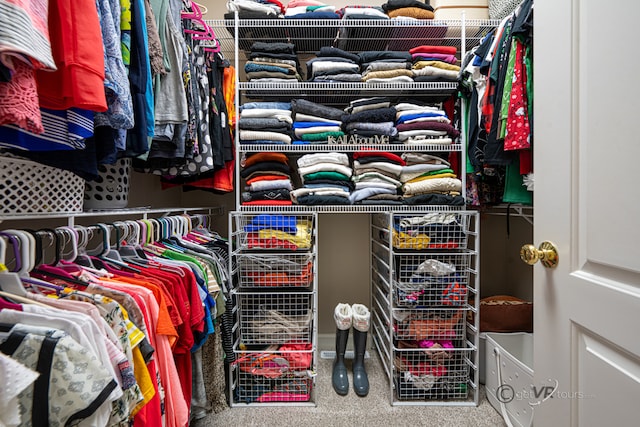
(373, 410)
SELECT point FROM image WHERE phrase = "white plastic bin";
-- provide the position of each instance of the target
(509, 375)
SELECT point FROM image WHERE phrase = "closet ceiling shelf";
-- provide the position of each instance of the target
(351, 87)
(349, 208)
(142, 211)
(347, 148)
(353, 35)
(309, 24)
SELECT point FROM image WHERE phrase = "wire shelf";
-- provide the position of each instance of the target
(275, 318)
(315, 148)
(350, 34)
(282, 270)
(339, 94)
(298, 209)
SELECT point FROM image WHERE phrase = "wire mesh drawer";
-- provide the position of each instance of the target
(432, 373)
(282, 270)
(429, 324)
(280, 375)
(432, 280)
(293, 386)
(275, 318)
(435, 230)
(274, 231)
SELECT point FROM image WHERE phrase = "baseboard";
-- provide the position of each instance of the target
(327, 345)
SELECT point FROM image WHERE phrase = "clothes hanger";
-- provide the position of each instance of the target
(110, 256)
(189, 3)
(154, 245)
(206, 33)
(187, 223)
(166, 233)
(35, 283)
(116, 254)
(39, 250)
(20, 299)
(79, 237)
(146, 239)
(10, 282)
(154, 235)
(27, 251)
(27, 244)
(42, 284)
(53, 270)
(55, 241)
(69, 234)
(124, 247)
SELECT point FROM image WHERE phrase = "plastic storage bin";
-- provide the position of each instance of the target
(111, 189)
(509, 375)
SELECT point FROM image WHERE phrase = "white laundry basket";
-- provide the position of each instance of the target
(111, 189)
(31, 187)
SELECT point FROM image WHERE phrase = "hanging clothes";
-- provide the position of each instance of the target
(498, 79)
(145, 314)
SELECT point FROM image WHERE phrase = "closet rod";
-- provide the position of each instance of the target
(144, 212)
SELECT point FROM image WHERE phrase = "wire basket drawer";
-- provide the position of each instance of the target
(291, 232)
(429, 324)
(275, 318)
(31, 187)
(435, 230)
(432, 280)
(292, 386)
(282, 373)
(282, 270)
(432, 374)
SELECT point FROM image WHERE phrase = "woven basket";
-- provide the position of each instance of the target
(111, 189)
(31, 187)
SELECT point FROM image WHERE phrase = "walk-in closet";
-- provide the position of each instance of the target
(259, 210)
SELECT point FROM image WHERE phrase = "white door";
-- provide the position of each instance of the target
(587, 201)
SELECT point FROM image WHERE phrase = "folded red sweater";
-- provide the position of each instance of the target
(451, 50)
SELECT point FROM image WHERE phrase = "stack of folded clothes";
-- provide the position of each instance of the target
(273, 62)
(435, 63)
(376, 177)
(362, 12)
(315, 123)
(403, 9)
(359, 37)
(386, 66)
(267, 177)
(429, 180)
(332, 64)
(369, 117)
(326, 179)
(255, 9)
(417, 15)
(423, 124)
(265, 123)
(310, 9)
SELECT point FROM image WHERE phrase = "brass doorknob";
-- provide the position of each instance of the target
(547, 254)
